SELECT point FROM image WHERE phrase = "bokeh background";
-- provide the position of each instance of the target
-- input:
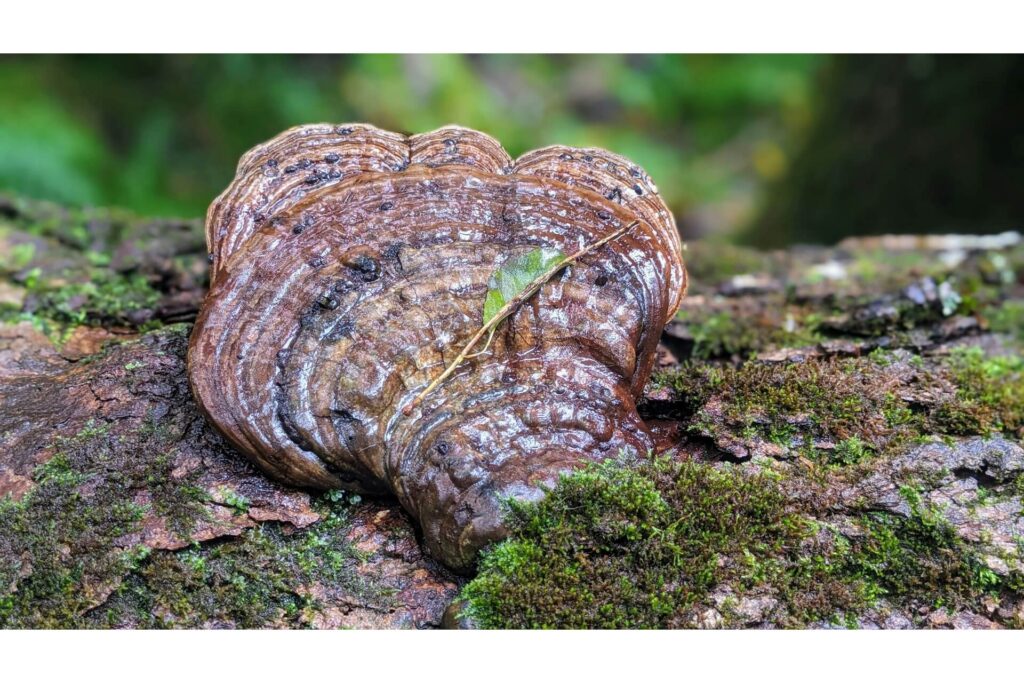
(761, 149)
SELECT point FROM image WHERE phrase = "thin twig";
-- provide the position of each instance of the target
(509, 307)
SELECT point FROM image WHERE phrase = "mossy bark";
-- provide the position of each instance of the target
(841, 447)
(839, 434)
(119, 505)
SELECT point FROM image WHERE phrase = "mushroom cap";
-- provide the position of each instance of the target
(349, 266)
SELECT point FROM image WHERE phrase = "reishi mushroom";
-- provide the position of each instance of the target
(350, 264)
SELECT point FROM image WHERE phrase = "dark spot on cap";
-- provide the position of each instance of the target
(565, 156)
(305, 163)
(327, 301)
(343, 130)
(332, 158)
(209, 258)
(291, 169)
(635, 172)
(603, 215)
(367, 267)
(450, 144)
(442, 447)
(588, 158)
(298, 229)
(601, 280)
(386, 206)
(272, 163)
(614, 195)
(638, 189)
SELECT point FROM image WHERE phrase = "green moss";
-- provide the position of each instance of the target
(720, 334)
(799, 404)
(990, 394)
(840, 401)
(1007, 318)
(70, 536)
(1018, 490)
(65, 538)
(17, 257)
(106, 297)
(81, 229)
(918, 559)
(692, 383)
(266, 577)
(850, 451)
(645, 545)
(56, 516)
(233, 499)
(56, 307)
(640, 545)
(886, 269)
(726, 334)
(840, 412)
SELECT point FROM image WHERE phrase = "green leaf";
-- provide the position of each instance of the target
(517, 280)
(513, 277)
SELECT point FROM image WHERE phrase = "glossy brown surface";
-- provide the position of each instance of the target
(350, 266)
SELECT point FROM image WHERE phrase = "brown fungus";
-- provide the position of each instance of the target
(333, 303)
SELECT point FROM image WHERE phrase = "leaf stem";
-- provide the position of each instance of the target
(509, 307)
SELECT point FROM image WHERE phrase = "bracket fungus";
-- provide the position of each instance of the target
(349, 267)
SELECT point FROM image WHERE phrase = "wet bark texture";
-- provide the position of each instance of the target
(122, 507)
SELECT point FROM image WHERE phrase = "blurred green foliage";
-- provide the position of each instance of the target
(162, 134)
(770, 149)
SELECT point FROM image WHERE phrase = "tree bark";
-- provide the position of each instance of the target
(121, 507)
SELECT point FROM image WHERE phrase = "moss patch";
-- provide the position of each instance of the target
(265, 578)
(75, 549)
(649, 545)
(989, 397)
(61, 540)
(800, 406)
(106, 298)
(917, 560)
(641, 546)
(724, 334)
(841, 411)
(1007, 318)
